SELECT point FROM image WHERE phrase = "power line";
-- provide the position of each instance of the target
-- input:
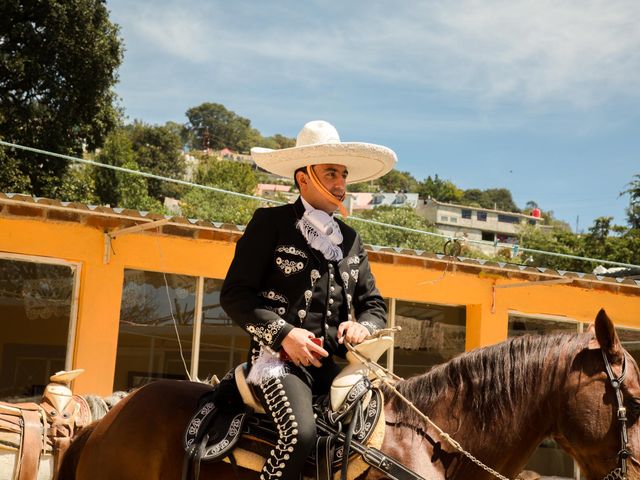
(254, 197)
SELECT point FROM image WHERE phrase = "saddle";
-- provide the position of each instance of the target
(231, 424)
(31, 429)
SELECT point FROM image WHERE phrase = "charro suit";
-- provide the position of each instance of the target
(276, 282)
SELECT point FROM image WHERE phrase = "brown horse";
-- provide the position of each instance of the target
(499, 402)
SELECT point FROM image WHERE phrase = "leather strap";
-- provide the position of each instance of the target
(326, 193)
(31, 445)
(324, 457)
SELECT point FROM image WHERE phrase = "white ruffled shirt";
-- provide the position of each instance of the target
(321, 231)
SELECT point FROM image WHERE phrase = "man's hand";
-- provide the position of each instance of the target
(301, 349)
(352, 332)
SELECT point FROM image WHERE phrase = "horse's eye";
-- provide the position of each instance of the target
(633, 409)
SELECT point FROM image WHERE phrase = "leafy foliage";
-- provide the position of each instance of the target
(78, 185)
(58, 62)
(119, 188)
(215, 125)
(157, 150)
(212, 125)
(440, 190)
(220, 207)
(401, 216)
(495, 198)
(633, 211)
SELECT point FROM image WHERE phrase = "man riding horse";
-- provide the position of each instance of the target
(300, 284)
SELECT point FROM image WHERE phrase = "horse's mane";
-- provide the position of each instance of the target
(496, 382)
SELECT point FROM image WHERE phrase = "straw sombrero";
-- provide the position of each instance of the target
(319, 142)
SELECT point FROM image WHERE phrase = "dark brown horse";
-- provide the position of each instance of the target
(499, 402)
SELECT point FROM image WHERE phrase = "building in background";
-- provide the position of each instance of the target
(488, 230)
(367, 201)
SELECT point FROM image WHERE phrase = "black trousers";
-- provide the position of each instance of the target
(289, 401)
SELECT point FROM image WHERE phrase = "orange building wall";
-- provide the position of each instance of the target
(101, 287)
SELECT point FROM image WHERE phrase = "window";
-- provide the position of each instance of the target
(531, 222)
(444, 218)
(630, 339)
(148, 346)
(453, 219)
(488, 236)
(481, 216)
(508, 218)
(466, 214)
(430, 335)
(36, 308)
(223, 345)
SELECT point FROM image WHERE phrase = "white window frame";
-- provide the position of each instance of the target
(76, 268)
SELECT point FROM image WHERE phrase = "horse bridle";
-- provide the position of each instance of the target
(619, 473)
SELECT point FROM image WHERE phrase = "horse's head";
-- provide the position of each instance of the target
(592, 425)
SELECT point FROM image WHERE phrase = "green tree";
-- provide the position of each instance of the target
(58, 63)
(397, 181)
(133, 190)
(220, 207)
(501, 199)
(121, 189)
(12, 178)
(440, 190)
(385, 236)
(473, 197)
(117, 151)
(633, 210)
(157, 149)
(212, 123)
(283, 142)
(492, 198)
(555, 239)
(78, 185)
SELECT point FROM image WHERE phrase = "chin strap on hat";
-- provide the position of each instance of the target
(326, 193)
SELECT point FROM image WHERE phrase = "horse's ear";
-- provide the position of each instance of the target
(607, 336)
(593, 343)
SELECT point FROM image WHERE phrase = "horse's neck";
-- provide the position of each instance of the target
(499, 407)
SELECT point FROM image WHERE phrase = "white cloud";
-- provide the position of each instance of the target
(578, 53)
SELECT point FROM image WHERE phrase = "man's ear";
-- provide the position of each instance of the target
(302, 179)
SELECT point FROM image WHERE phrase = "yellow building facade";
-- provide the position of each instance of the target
(90, 270)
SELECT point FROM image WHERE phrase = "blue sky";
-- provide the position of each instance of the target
(538, 96)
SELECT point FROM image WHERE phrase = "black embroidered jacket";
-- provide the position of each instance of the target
(276, 282)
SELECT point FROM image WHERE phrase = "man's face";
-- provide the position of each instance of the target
(333, 177)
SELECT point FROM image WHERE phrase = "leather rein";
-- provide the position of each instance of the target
(619, 473)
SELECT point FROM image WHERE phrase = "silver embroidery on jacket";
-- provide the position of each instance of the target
(354, 275)
(353, 260)
(290, 266)
(265, 335)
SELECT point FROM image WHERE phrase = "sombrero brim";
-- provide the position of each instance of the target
(365, 161)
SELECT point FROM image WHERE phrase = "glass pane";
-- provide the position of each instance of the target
(548, 459)
(223, 345)
(156, 310)
(521, 325)
(431, 334)
(630, 339)
(35, 311)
